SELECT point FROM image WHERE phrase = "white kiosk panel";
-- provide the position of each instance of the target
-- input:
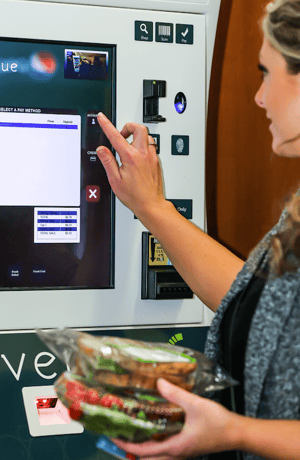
(174, 51)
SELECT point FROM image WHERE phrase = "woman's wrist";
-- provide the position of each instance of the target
(236, 432)
(242, 433)
(153, 212)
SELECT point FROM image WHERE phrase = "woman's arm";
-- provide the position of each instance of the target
(206, 266)
(273, 439)
(210, 428)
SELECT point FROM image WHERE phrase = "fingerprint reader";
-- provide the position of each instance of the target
(180, 102)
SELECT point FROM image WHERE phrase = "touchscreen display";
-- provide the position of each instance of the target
(56, 206)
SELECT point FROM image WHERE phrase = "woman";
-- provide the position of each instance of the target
(255, 332)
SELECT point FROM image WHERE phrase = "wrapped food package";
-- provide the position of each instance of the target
(111, 385)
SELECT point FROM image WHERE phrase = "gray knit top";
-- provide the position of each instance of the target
(272, 360)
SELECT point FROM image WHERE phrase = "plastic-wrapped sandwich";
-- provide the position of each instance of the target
(111, 385)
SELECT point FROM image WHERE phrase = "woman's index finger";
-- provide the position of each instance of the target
(116, 139)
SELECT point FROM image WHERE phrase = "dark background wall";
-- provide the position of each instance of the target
(246, 184)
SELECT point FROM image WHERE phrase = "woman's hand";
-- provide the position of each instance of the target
(208, 428)
(138, 181)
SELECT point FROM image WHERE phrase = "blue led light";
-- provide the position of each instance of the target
(179, 107)
(180, 103)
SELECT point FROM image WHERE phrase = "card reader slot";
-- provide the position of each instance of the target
(166, 283)
(160, 280)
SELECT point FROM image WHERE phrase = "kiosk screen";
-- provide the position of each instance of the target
(56, 206)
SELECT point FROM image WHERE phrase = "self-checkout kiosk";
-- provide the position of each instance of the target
(71, 254)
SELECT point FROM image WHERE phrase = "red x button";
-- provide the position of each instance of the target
(92, 193)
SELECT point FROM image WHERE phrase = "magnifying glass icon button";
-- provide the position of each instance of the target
(144, 28)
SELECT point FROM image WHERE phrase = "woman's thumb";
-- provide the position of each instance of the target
(109, 163)
(175, 394)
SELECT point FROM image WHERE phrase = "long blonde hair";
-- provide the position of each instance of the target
(281, 27)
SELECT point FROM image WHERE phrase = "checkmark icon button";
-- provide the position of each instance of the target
(185, 34)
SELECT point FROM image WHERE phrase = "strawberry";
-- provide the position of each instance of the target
(71, 385)
(92, 397)
(111, 400)
(74, 395)
(75, 411)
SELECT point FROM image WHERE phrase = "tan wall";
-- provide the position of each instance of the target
(246, 184)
